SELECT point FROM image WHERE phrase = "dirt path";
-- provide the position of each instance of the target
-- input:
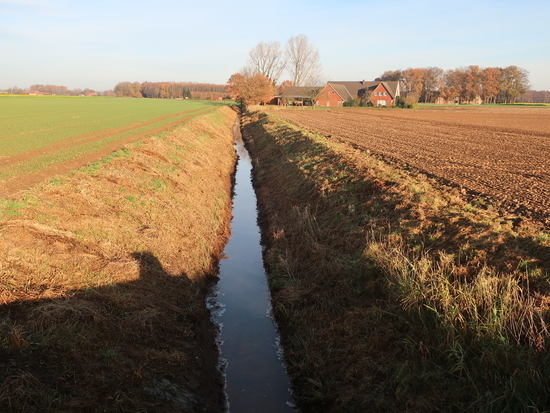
(504, 156)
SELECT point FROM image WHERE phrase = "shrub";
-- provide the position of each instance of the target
(406, 103)
(350, 103)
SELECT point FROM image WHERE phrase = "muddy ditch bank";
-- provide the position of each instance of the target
(103, 276)
(391, 291)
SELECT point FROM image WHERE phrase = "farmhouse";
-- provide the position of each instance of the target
(335, 93)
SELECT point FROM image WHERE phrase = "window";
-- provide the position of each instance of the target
(385, 93)
(381, 102)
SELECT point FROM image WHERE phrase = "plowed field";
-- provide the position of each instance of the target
(499, 154)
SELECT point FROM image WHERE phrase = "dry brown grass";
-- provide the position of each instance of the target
(394, 293)
(103, 275)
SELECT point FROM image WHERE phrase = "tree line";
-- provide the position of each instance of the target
(462, 85)
(170, 90)
(535, 96)
(57, 90)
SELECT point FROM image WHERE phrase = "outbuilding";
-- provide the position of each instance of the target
(296, 95)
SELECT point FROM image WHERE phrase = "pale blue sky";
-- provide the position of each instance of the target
(98, 43)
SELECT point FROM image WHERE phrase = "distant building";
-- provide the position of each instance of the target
(336, 93)
(36, 93)
(296, 95)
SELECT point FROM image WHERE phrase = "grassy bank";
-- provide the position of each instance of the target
(103, 274)
(392, 292)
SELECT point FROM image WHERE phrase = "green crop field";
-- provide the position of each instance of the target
(38, 132)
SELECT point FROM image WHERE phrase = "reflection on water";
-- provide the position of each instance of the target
(256, 380)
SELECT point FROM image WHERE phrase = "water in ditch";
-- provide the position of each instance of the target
(256, 379)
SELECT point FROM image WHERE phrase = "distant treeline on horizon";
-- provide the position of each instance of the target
(170, 90)
(167, 90)
(429, 85)
(55, 90)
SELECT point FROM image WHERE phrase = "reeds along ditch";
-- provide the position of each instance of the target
(392, 291)
(103, 275)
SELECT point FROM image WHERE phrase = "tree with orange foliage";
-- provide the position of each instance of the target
(452, 88)
(489, 83)
(413, 82)
(250, 89)
(472, 83)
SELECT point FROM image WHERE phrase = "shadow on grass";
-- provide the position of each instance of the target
(143, 345)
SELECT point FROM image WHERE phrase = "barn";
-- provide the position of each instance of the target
(296, 95)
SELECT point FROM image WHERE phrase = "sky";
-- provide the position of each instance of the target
(97, 44)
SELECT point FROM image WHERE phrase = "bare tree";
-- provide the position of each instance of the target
(302, 61)
(249, 71)
(489, 84)
(267, 59)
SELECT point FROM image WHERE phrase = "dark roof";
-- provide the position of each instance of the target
(353, 87)
(342, 91)
(393, 88)
(299, 91)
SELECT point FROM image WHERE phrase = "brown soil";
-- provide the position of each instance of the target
(500, 154)
(103, 279)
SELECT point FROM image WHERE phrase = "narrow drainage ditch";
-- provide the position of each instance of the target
(240, 304)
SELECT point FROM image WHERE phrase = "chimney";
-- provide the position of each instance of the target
(363, 82)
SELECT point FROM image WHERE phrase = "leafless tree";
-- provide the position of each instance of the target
(302, 61)
(249, 71)
(267, 59)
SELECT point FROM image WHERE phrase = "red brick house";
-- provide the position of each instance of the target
(378, 93)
